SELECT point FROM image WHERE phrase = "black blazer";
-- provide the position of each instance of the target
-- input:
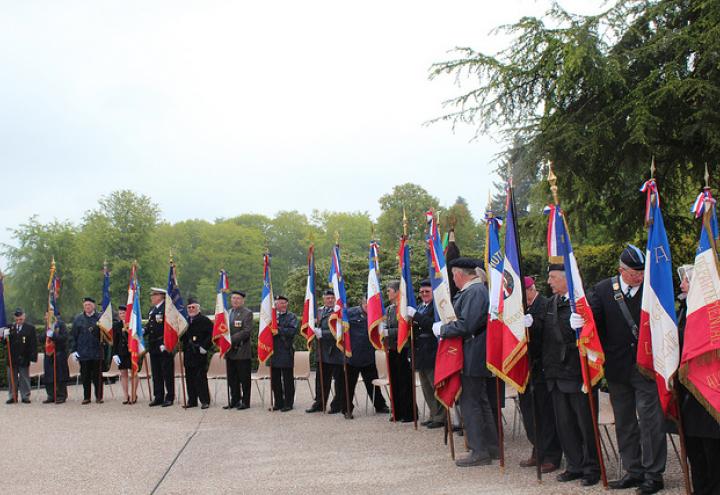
(197, 335)
(425, 341)
(23, 345)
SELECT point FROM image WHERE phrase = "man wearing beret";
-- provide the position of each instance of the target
(88, 349)
(196, 342)
(471, 308)
(56, 366)
(238, 357)
(162, 362)
(22, 342)
(639, 420)
(282, 361)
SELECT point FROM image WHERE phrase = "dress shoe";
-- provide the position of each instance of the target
(529, 462)
(548, 467)
(240, 407)
(60, 401)
(406, 420)
(627, 481)
(204, 406)
(591, 480)
(568, 476)
(426, 422)
(473, 460)
(26, 401)
(189, 406)
(334, 411)
(286, 409)
(85, 401)
(48, 401)
(276, 408)
(313, 409)
(10, 401)
(155, 403)
(434, 424)
(650, 486)
(494, 454)
(230, 406)
(348, 416)
(99, 401)
(167, 403)
(126, 402)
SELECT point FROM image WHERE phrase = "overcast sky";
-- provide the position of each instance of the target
(217, 108)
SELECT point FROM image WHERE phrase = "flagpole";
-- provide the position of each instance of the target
(345, 336)
(412, 342)
(147, 376)
(182, 377)
(449, 432)
(552, 179)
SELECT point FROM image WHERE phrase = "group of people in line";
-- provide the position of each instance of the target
(564, 424)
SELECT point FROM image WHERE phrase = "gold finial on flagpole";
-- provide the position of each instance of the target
(405, 223)
(652, 167)
(337, 238)
(552, 180)
(707, 176)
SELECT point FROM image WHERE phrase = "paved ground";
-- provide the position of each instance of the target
(112, 448)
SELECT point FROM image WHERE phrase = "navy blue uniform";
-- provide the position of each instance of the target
(362, 361)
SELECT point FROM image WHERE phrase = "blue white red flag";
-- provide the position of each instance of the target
(221, 331)
(438, 273)
(658, 350)
(307, 325)
(494, 259)
(338, 321)
(406, 297)
(700, 363)
(560, 251)
(106, 317)
(507, 342)
(176, 316)
(133, 321)
(268, 316)
(375, 307)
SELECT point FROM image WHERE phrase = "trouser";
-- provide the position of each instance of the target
(90, 376)
(163, 376)
(21, 380)
(480, 430)
(401, 384)
(427, 382)
(197, 385)
(639, 426)
(574, 426)
(704, 456)
(330, 372)
(369, 373)
(282, 383)
(59, 369)
(547, 447)
(239, 372)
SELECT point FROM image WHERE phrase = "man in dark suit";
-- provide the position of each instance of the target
(55, 366)
(88, 350)
(362, 361)
(471, 308)
(400, 372)
(162, 361)
(282, 380)
(238, 360)
(639, 420)
(21, 339)
(196, 342)
(549, 448)
(563, 376)
(425, 351)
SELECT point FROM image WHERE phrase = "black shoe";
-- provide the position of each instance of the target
(568, 476)
(334, 411)
(406, 420)
(313, 409)
(99, 401)
(167, 403)
(591, 480)
(434, 424)
(627, 481)
(86, 402)
(48, 401)
(286, 409)
(242, 406)
(457, 429)
(189, 406)
(230, 406)
(473, 460)
(383, 410)
(10, 401)
(494, 454)
(276, 408)
(204, 406)
(155, 403)
(26, 401)
(60, 401)
(650, 486)
(426, 422)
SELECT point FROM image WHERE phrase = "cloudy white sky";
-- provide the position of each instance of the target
(216, 108)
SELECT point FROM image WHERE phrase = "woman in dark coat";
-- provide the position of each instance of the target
(121, 354)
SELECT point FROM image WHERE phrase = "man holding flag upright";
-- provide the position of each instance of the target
(268, 317)
(176, 315)
(238, 357)
(339, 324)
(55, 366)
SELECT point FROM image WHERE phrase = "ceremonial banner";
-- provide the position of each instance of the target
(176, 316)
(307, 325)
(338, 321)
(406, 298)
(560, 251)
(494, 260)
(507, 342)
(106, 317)
(375, 307)
(700, 363)
(268, 317)
(52, 308)
(221, 331)
(133, 321)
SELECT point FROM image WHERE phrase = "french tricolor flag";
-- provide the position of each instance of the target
(375, 307)
(494, 265)
(133, 321)
(176, 317)
(268, 317)
(439, 278)
(307, 325)
(221, 331)
(338, 321)
(406, 298)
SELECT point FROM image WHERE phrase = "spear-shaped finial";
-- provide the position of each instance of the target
(552, 179)
(652, 167)
(171, 255)
(337, 238)
(405, 223)
(707, 177)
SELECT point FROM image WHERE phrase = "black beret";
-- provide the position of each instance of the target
(192, 300)
(556, 267)
(466, 263)
(281, 298)
(238, 292)
(633, 258)
(329, 292)
(425, 283)
(122, 307)
(19, 312)
(89, 299)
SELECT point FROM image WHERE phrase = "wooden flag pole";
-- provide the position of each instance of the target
(147, 376)
(389, 379)
(501, 430)
(449, 426)
(412, 344)
(322, 376)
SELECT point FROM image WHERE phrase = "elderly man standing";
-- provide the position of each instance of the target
(162, 361)
(196, 342)
(88, 349)
(238, 358)
(282, 361)
(471, 307)
(21, 340)
(56, 366)
(639, 420)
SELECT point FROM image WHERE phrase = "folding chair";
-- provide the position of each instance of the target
(113, 372)
(73, 372)
(301, 370)
(606, 418)
(36, 369)
(263, 373)
(381, 380)
(512, 395)
(217, 371)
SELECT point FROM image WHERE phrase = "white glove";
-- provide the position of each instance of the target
(318, 332)
(384, 331)
(4, 332)
(436, 328)
(576, 321)
(528, 320)
(116, 358)
(49, 333)
(411, 311)
(163, 348)
(75, 356)
(202, 350)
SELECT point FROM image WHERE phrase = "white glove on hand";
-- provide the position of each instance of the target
(318, 333)
(49, 333)
(436, 328)
(75, 356)
(116, 358)
(528, 320)
(202, 350)
(411, 311)
(384, 331)
(576, 321)
(4, 332)
(163, 348)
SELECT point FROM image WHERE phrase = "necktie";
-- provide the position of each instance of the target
(628, 294)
